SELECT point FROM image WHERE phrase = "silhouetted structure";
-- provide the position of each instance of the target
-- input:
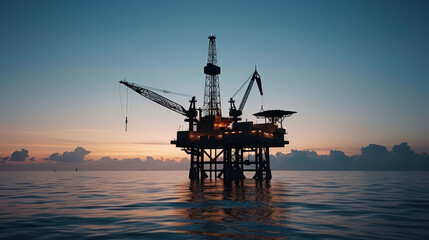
(212, 106)
(217, 144)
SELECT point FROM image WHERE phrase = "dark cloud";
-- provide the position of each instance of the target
(108, 163)
(403, 150)
(337, 156)
(17, 156)
(308, 160)
(374, 151)
(76, 156)
(372, 157)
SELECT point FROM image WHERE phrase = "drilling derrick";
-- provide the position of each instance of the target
(212, 106)
(219, 145)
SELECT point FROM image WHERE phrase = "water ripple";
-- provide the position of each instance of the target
(150, 205)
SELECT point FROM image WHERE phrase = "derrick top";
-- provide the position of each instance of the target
(212, 36)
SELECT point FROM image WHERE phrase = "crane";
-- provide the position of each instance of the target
(191, 113)
(235, 113)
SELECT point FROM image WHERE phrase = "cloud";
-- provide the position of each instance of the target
(309, 160)
(372, 157)
(337, 156)
(374, 151)
(17, 156)
(108, 163)
(76, 156)
(403, 150)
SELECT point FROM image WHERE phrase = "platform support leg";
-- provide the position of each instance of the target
(268, 175)
(193, 172)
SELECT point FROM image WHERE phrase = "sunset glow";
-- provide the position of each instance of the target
(354, 80)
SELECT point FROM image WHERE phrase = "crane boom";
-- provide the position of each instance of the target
(236, 113)
(156, 98)
(249, 88)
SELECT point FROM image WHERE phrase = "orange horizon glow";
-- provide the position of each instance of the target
(144, 141)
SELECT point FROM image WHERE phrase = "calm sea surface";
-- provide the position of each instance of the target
(166, 205)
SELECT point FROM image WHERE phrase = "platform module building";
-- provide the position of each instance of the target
(224, 147)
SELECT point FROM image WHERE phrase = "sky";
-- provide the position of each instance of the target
(355, 71)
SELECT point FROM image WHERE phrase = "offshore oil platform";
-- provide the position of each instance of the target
(217, 145)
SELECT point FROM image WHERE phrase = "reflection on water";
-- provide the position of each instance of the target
(239, 209)
(166, 205)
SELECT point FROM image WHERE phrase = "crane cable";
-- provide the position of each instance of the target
(163, 90)
(120, 100)
(122, 109)
(145, 87)
(126, 114)
(242, 86)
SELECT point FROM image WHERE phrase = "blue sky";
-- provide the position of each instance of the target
(356, 71)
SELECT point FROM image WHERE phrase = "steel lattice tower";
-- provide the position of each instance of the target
(212, 107)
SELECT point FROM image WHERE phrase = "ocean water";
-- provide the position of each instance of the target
(167, 205)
